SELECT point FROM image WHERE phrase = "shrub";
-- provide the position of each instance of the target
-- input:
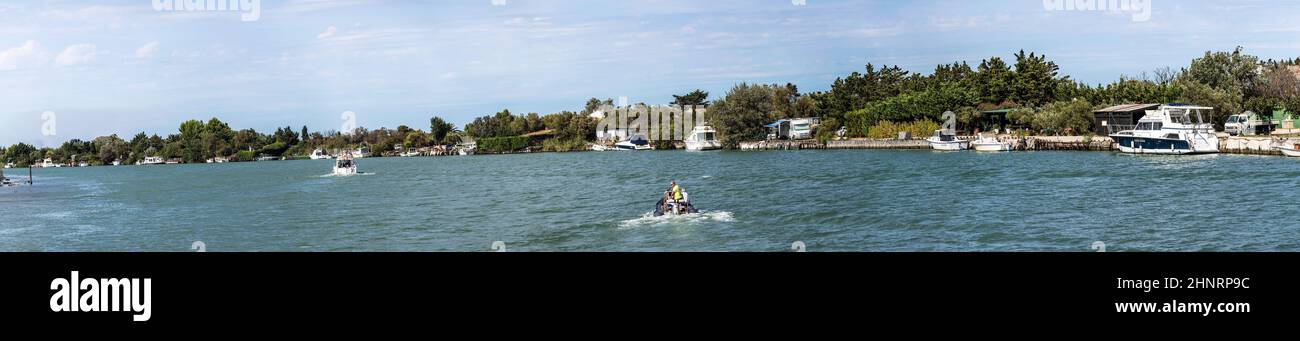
(889, 129)
(502, 144)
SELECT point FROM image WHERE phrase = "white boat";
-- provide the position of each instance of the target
(990, 143)
(467, 149)
(947, 142)
(319, 154)
(117, 163)
(150, 160)
(344, 166)
(48, 163)
(1292, 150)
(702, 138)
(634, 143)
(9, 165)
(599, 147)
(1172, 129)
(361, 152)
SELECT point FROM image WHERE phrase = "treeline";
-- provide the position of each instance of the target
(1042, 101)
(197, 141)
(563, 131)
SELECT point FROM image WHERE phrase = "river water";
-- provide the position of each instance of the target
(849, 200)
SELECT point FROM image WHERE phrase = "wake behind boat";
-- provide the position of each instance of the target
(1172, 129)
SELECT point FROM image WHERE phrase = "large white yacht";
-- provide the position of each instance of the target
(1172, 129)
(703, 138)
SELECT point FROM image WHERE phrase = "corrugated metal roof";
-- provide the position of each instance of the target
(1128, 108)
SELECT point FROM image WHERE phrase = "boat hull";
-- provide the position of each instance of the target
(702, 145)
(1289, 152)
(991, 147)
(949, 145)
(1155, 145)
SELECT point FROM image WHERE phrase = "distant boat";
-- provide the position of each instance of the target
(267, 158)
(117, 163)
(319, 154)
(9, 165)
(361, 152)
(411, 152)
(634, 143)
(48, 163)
(703, 138)
(990, 143)
(150, 160)
(467, 149)
(1172, 129)
(946, 142)
(344, 166)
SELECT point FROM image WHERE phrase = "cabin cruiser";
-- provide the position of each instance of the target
(634, 143)
(150, 160)
(319, 154)
(1172, 129)
(703, 138)
(467, 149)
(942, 140)
(344, 166)
(49, 163)
(990, 143)
(410, 152)
(361, 152)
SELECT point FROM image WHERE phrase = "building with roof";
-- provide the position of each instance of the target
(1120, 117)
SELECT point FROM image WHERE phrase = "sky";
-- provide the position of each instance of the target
(124, 66)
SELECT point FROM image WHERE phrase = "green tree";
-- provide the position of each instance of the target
(740, 115)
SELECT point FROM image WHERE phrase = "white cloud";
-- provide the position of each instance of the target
(329, 32)
(76, 54)
(23, 56)
(147, 51)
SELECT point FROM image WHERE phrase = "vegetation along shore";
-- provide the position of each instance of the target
(1024, 96)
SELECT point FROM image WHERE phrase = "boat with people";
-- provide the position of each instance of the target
(990, 143)
(675, 201)
(345, 166)
(1174, 128)
(703, 137)
(946, 141)
(320, 154)
(634, 143)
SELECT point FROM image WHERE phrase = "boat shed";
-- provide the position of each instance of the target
(1120, 117)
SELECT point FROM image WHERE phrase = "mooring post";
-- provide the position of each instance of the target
(29, 176)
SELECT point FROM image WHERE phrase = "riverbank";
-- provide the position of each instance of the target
(1245, 145)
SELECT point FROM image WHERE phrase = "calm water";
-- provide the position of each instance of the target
(752, 201)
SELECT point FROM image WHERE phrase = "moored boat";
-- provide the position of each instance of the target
(990, 143)
(943, 141)
(702, 138)
(1292, 150)
(320, 154)
(634, 143)
(1172, 129)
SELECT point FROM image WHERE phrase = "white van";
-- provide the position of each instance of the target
(1246, 123)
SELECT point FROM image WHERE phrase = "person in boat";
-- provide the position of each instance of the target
(676, 195)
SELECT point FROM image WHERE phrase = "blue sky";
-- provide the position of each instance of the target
(122, 67)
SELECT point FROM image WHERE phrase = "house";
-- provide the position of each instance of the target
(1119, 118)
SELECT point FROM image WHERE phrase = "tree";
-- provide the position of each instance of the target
(740, 115)
(439, 129)
(994, 81)
(1035, 79)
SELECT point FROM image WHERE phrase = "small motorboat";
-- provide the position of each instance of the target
(947, 142)
(674, 207)
(1292, 150)
(990, 143)
(634, 143)
(344, 166)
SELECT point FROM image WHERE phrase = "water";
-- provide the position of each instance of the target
(848, 200)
